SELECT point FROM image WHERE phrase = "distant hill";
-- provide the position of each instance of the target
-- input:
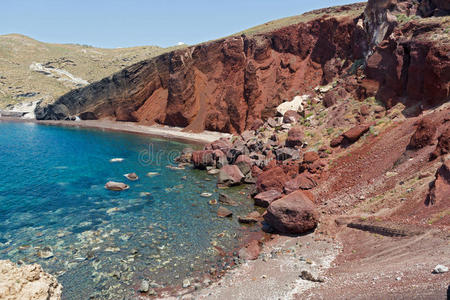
(31, 70)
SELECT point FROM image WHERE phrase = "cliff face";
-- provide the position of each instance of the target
(226, 85)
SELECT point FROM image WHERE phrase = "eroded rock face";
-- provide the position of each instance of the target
(224, 85)
(293, 214)
(27, 282)
(440, 188)
(424, 134)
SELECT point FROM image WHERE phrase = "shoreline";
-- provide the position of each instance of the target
(156, 131)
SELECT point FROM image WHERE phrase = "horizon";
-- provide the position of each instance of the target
(124, 25)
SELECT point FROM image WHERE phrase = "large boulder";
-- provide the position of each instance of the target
(440, 187)
(27, 282)
(295, 137)
(292, 214)
(264, 199)
(220, 158)
(230, 175)
(202, 159)
(271, 179)
(222, 144)
(310, 157)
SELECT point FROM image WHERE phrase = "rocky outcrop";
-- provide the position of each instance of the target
(440, 187)
(27, 282)
(224, 85)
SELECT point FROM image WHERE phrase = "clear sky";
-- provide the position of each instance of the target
(124, 23)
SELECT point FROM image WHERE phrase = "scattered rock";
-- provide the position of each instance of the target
(252, 217)
(440, 269)
(307, 275)
(206, 195)
(310, 157)
(45, 252)
(152, 174)
(258, 123)
(116, 186)
(223, 212)
(304, 181)
(294, 213)
(144, 287)
(286, 153)
(355, 133)
(226, 200)
(250, 251)
(291, 116)
(264, 199)
(131, 176)
(272, 123)
(113, 160)
(186, 283)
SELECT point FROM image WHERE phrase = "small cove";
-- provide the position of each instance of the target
(54, 210)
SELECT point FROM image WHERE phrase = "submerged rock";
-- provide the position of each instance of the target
(131, 176)
(252, 217)
(224, 212)
(116, 160)
(116, 186)
(226, 200)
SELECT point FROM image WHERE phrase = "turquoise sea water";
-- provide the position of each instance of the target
(55, 211)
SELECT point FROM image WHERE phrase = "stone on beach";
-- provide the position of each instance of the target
(264, 199)
(116, 186)
(292, 214)
(250, 251)
(230, 175)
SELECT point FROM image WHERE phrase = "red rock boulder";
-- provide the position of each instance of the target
(310, 157)
(271, 179)
(295, 137)
(292, 214)
(304, 181)
(202, 159)
(355, 133)
(264, 199)
(291, 116)
(230, 175)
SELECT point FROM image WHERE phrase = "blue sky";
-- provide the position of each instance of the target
(124, 23)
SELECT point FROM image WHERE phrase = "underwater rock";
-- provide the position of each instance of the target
(116, 186)
(131, 176)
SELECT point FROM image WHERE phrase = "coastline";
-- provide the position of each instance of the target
(157, 131)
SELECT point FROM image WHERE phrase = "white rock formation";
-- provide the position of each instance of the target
(27, 282)
(296, 104)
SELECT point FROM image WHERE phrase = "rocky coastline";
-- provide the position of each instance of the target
(339, 127)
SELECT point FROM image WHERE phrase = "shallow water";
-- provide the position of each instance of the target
(102, 243)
